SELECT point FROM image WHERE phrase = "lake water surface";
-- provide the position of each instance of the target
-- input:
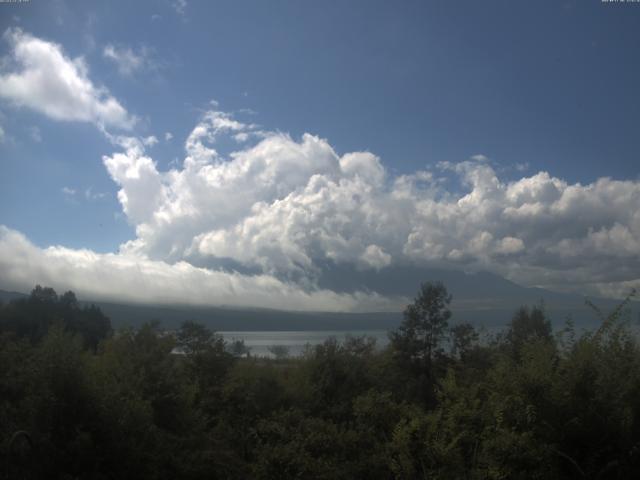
(296, 341)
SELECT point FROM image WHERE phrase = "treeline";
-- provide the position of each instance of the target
(78, 401)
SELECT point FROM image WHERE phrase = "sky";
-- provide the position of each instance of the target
(235, 153)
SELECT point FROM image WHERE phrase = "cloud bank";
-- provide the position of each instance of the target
(42, 78)
(124, 277)
(257, 226)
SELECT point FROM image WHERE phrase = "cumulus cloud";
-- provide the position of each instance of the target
(262, 223)
(374, 257)
(142, 190)
(41, 77)
(286, 207)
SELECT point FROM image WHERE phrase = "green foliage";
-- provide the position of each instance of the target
(77, 402)
(336, 373)
(31, 318)
(419, 337)
(463, 340)
(528, 325)
(417, 343)
(280, 352)
(237, 348)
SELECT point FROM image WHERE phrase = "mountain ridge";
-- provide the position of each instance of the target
(481, 298)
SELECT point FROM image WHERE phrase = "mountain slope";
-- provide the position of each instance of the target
(481, 298)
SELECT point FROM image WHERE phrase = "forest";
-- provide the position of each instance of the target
(81, 401)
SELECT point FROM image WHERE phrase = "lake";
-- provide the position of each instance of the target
(295, 341)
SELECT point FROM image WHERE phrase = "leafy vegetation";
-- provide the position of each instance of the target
(80, 401)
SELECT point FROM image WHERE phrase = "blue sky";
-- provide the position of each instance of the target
(521, 87)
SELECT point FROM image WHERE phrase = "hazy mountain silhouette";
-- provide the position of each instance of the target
(481, 298)
(6, 296)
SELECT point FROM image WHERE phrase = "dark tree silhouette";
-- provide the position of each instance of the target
(528, 325)
(418, 340)
(425, 323)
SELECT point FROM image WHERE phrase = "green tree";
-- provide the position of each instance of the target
(528, 325)
(238, 349)
(417, 342)
(279, 352)
(463, 338)
(46, 295)
(424, 325)
(336, 373)
(206, 362)
(196, 339)
(32, 317)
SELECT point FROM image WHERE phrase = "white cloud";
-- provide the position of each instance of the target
(142, 190)
(241, 137)
(168, 136)
(46, 80)
(374, 257)
(285, 207)
(125, 277)
(510, 245)
(3, 136)
(89, 194)
(130, 62)
(213, 124)
(180, 6)
(149, 141)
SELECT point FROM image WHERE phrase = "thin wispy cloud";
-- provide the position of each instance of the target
(91, 195)
(130, 62)
(34, 133)
(180, 6)
(150, 141)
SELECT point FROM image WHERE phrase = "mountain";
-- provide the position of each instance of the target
(480, 298)
(228, 319)
(6, 297)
